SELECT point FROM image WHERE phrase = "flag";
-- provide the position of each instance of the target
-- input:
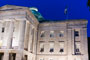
(65, 11)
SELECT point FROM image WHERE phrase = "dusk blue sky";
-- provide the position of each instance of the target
(54, 9)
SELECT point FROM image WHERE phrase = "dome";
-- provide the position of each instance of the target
(36, 14)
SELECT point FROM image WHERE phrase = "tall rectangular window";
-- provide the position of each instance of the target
(51, 33)
(12, 56)
(3, 29)
(42, 33)
(61, 34)
(77, 48)
(51, 46)
(50, 58)
(41, 59)
(41, 46)
(61, 43)
(1, 56)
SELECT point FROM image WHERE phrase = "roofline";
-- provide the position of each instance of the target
(65, 21)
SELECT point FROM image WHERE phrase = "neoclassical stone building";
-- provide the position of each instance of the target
(23, 37)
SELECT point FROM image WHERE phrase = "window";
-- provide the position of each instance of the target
(51, 47)
(61, 34)
(50, 58)
(41, 47)
(42, 33)
(77, 48)
(51, 33)
(41, 58)
(42, 50)
(12, 56)
(25, 57)
(76, 33)
(61, 50)
(1, 56)
(61, 46)
(3, 30)
(51, 50)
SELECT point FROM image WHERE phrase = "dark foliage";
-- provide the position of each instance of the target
(88, 3)
(89, 46)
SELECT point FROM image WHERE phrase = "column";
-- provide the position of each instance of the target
(84, 44)
(81, 41)
(29, 41)
(10, 35)
(70, 43)
(19, 54)
(73, 42)
(1, 36)
(27, 30)
(35, 42)
(22, 34)
(6, 55)
(5, 34)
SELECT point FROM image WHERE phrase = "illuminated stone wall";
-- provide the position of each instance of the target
(18, 34)
(69, 38)
(22, 37)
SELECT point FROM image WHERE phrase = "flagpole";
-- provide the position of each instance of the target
(67, 14)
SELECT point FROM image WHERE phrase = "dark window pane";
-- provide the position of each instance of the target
(42, 35)
(3, 29)
(42, 50)
(51, 50)
(61, 50)
(60, 35)
(77, 50)
(76, 33)
(51, 35)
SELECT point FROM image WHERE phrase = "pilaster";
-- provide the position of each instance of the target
(6, 55)
(22, 34)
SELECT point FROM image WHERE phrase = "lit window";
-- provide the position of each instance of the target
(41, 47)
(61, 34)
(51, 33)
(42, 33)
(51, 47)
(3, 29)
(76, 33)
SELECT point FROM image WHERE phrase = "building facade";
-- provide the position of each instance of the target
(23, 37)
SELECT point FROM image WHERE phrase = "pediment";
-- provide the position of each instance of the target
(11, 7)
